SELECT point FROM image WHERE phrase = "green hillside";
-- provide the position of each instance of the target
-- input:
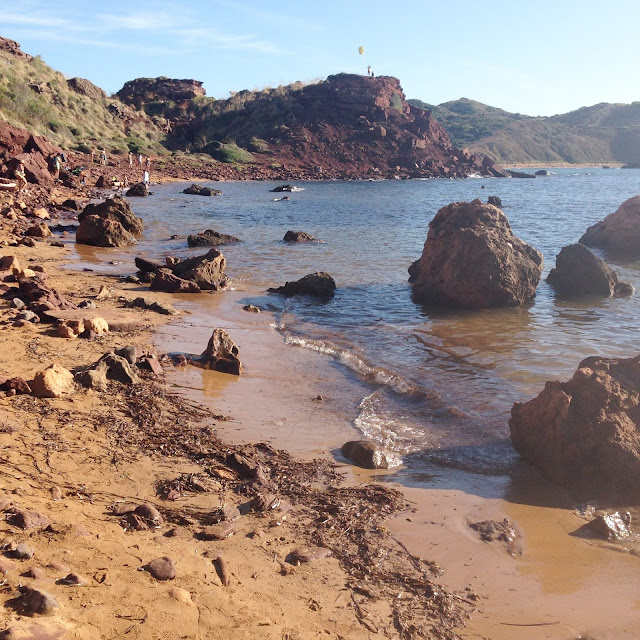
(601, 133)
(74, 114)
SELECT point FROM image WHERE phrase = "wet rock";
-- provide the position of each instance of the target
(298, 236)
(210, 238)
(219, 531)
(495, 201)
(283, 188)
(72, 205)
(585, 433)
(197, 190)
(159, 307)
(221, 354)
(472, 259)
(138, 190)
(101, 232)
(370, 456)
(98, 326)
(25, 519)
(610, 526)
(207, 271)
(251, 308)
(619, 233)
(504, 532)
(579, 272)
(318, 284)
(178, 360)
(519, 174)
(17, 384)
(35, 601)
(308, 554)
(54, 382)
(169, 283)
(149, 513)
(161, 568)
(151, 363)
(56, 243)
(38, 231)
(147, 266)
(115, 208)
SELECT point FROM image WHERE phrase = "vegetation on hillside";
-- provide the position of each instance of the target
(35, 97)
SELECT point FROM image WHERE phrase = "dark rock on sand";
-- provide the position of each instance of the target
(504, 532)
(137, 190)
(472, 259)
(170, 283)
(585, 433)
(369, 456)
(23, 552)
(19, 385)
(95, 379)
(159, 307)
(298, 236)
(36, 292)
(25, 519)
(579, 272)
(210, 238)
(149, 514)
(206, 271)
(122, 508)
(619, 233)
(308, 554)
(100, 232)
(318, 284)
(221, 354)
(35, 601)
(197, 190)
(147, 266)
(218, 531)
(74, 580)
(251, 308)
(161, 568)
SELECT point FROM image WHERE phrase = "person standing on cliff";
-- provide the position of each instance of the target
(369, 70)
(20, 176)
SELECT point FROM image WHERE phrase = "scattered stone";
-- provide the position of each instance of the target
(151, 363)
(28, 519)
(542, 172)
(207, 271)
(366, 454)
(54, 382)
(17, 384)
(131, 354)
(87, 304)
(98, 326)
(197, 190)
(309, 554)
(579, 272)
(28, 242)
(120, 508)
(492, 531)
(318, 284)
(265, 502)
(38, 231)
(93, 379)
(172, 495)
(210, 238)
(169, 283)
(584, 433)
(101, 232)
(298, 236)
(36, 601)
(147, 266)
(57, 243)
(218, 531)
(472, 259)
(159, 307)
(6, 567)
(56, 493)
(70, 328)
(10, 263)
(181, 595)
(117, 368)
(221, 354)
(41, 213)
(23, 552)
(74, 580)
(28, 316)
(610, 526)
(251, 308)
(35, 573)
(519, 174)
(220, 566)
(161, 568)
(178, 360)
(149, 513)
(134, 522)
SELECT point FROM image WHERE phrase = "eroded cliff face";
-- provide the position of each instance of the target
(143, 90)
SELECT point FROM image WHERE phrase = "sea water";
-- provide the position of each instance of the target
(438, 384)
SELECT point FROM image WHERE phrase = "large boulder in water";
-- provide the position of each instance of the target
(103, 232)
(197, 190)
(138, 190)
(169, 283)
(210, 238)
(369, 456)
(585, 433)
(318, 284)
(115, 208)
(472, 259)
(619, 233)
(579, 272)
(206, 271)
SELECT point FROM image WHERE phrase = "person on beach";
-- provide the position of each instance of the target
(20, 176)
(140, 159)
(145, 178)
(103, 157)
(93, 155)
(130, 160)
(56, 166)
(148, 162)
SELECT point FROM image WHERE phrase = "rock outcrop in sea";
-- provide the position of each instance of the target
(579, 272)
(472, 259)
(585, 433)
(110, 223)
(619, 233)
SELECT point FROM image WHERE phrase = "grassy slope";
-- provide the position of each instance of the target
(601, 133)
(67, 118)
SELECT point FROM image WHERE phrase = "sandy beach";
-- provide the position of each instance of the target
(268, 532)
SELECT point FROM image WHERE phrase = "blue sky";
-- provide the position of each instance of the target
(539, 58)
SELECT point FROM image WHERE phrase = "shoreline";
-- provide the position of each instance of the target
(535, 595)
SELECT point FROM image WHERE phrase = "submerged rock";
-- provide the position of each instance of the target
(609, 526)
(619, 233)
(138, 190)
(100, 232)
(579, 272)
(206, 271)
(585, 433)
(221, 354)
(170, 283)
(318, 284)
(366, 454)
(197, 190)
(298, 236)
(115, 208)
(472, 259)
(210, 238)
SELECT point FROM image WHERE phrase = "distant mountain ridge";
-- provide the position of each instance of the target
(601, 133)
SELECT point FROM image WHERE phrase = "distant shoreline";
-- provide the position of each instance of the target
(568, 165)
